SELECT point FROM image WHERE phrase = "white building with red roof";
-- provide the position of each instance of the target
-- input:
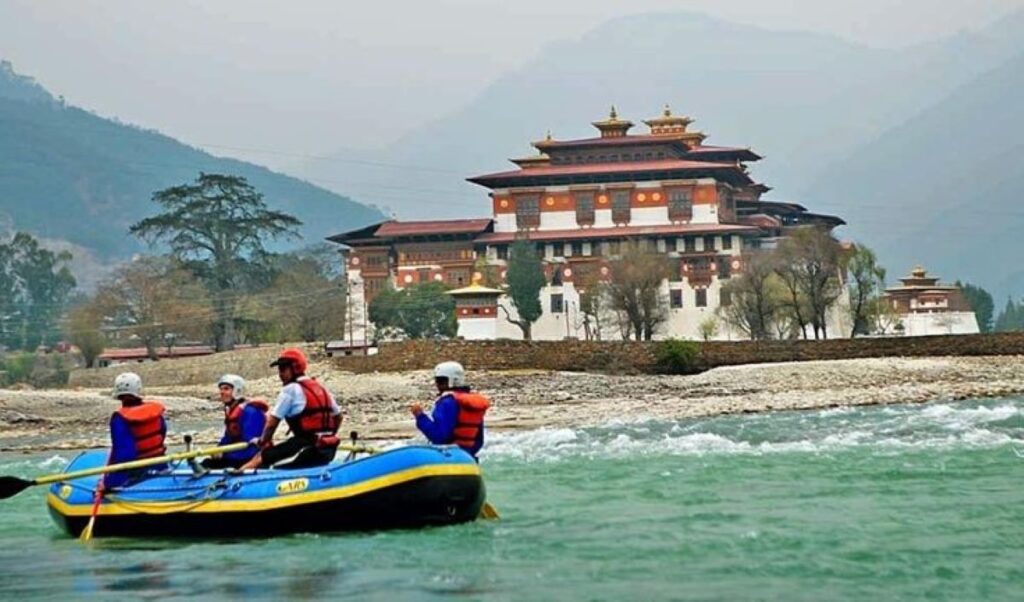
(579, 201)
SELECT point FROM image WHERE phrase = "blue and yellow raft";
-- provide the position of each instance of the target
(412, 486)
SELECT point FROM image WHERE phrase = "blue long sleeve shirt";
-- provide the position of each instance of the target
(252, 423)
(439, 427)
(122, 449)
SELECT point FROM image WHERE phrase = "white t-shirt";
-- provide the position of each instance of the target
(292, 401)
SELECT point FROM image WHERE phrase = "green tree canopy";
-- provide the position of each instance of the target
(525, 279)
(865, 282)
(1011, 318)
(421, 311)
(35, 287)
(217, 226)
(981, 304)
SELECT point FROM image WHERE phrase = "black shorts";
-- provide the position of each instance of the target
(222, 462)
(306, 453)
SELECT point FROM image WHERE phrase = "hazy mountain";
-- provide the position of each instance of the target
(803, 100)
(943, 189)
(67, 174)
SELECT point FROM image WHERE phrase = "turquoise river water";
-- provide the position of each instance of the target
(896, 502)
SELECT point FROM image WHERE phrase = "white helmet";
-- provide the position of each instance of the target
(237, 384)
(453, 371)
(128, 383)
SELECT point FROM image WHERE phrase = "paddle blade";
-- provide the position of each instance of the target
(489, 512)
(11, 486)
(86, 533)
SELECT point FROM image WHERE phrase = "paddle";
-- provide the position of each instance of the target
(11, 486)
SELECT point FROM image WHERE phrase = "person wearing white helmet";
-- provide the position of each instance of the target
(244, 420)
(458, 415)
(138, 429)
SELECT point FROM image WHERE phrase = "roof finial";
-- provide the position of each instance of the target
(548, 136)
(667, 112)
(613, 114)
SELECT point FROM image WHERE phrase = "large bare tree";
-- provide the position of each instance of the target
(756, 298)
(635, 289)
(809, 260)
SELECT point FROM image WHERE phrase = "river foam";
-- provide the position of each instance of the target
(891, 429)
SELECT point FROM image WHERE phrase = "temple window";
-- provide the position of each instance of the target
(661, 154)
(675, 297)
(613, 247)
(501, 251)
(620, 207)
(613, 158)
(727, 242)
(690, 244)
(528, 212)
(680, 205)
(638, 157)
(585, 208)
(709, 243)
(675, 273)
(558, 250)
(724, 268)
(557, 303)
(577, 249)
(702, 297)
(556, 276)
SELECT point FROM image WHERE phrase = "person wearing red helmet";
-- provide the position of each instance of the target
(309, 410)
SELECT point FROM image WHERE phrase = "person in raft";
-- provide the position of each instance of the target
(137, 430)
(244, 420)
(311, 413)
(458, 415)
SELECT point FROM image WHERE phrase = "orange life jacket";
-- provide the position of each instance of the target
(233, 417)
(316, 418)
(146, 423)
(472, 407)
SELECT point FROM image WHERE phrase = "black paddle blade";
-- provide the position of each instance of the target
(11, 486)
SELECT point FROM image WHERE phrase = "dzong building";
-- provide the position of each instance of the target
(580, 201)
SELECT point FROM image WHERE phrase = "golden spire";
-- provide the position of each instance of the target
(667, 112)
(548, 136)
(613, 127)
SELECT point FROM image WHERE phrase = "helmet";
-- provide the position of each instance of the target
(237, 384)
(127, 383)
(293, 356)
(453, 371)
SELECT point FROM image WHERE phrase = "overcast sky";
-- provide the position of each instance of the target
(311, 76)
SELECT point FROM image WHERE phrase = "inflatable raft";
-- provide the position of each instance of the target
(407, 487)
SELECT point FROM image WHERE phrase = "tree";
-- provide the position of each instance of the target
(593, 307)
(756, 298)
(156, 301)
(525, 279)
(808, 262)
(217, 227)
(83, 331)
(35, 287)
(865, 282)
(305, 302)
(635, 290)
(981, 304)
(708, 328)
(1011, 318)
(420, 311)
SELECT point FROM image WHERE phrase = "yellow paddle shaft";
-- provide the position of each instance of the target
(210, 451)
(88, 472)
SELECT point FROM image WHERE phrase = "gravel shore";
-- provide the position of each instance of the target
(376, 404)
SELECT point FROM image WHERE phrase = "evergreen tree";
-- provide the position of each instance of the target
(981, 304)
(1011, 318)
(217, 226)
(525, 278)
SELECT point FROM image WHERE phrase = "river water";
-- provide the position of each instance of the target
(896, 502)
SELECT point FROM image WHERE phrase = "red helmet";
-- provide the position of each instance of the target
(293, 357)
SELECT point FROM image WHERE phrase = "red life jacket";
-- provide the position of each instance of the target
(146, 423)
(316, 417)
(233, 418)
(472, 407)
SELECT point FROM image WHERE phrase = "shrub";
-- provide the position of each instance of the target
(677, 357)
